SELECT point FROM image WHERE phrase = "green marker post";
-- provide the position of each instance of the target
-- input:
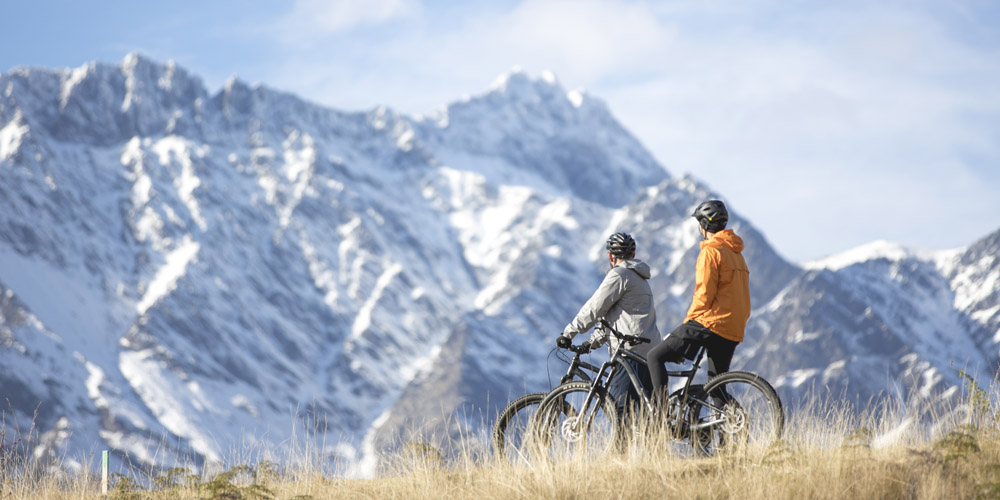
(104, 472)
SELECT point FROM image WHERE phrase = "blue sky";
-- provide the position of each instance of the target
(827, 124)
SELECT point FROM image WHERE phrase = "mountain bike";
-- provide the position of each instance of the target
(732, 411)
(512, 423)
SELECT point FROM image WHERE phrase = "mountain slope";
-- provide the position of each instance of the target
(878, 320)
(236, 261)
(196, 269)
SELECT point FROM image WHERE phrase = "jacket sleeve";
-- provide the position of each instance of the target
(706, 283)
(611, 289)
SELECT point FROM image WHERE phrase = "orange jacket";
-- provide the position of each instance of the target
(722, 287)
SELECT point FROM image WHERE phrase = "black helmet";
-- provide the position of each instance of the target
(712, 215)
(621, 245)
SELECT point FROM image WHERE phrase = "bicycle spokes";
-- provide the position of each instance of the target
(742, 413)
(575, 421)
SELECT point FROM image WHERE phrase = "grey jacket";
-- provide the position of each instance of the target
(625, 300)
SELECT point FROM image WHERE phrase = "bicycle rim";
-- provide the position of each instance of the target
(739, 412)
(572, 425)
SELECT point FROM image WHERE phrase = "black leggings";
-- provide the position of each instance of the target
(682, 343)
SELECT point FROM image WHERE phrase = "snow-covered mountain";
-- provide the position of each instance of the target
(884, 318)
(181, 272)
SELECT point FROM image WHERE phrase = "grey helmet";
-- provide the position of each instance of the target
(712, 215)
(621, 245)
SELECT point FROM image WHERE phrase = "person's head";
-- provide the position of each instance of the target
(712, 217)
(620, 246)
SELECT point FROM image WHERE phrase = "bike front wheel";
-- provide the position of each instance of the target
(735, 412)
(510, 431)
(575, 420)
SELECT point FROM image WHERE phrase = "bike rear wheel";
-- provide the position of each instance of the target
(736, 412)
(573, 422)
(510, 431)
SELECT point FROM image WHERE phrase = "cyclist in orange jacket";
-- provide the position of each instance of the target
(720, 309)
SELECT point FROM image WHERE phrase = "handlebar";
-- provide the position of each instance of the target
(624, 337)
(631, 340)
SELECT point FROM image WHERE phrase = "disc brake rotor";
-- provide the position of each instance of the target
(568, 430)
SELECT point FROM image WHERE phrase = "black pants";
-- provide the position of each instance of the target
(621, 389)
(682, 343)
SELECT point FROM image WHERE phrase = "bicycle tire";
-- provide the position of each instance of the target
(556, 428)
(511, 426)
(737, 411)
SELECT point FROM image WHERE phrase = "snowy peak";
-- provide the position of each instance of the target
(517, 86)
(563, 141)
(975, 278)
(907, 317)
(160, 86)
(984, 252)
(518, 83)
(875, 250)
(542, 134)
(137, 97)
(517, 92)
(972, 275)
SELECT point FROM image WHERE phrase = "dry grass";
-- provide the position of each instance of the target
(826, 453)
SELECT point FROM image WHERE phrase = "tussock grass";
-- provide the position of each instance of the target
(826, 452)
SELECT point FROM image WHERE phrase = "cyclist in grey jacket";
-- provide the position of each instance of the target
(625, 300)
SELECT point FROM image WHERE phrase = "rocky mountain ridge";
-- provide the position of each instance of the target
(180, 271)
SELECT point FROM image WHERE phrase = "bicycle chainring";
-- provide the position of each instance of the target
(735, 419)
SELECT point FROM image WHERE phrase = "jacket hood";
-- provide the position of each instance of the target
(640, 267)
(725, 238)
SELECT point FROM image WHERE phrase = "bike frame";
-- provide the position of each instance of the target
(610, 367)
(687, 374)
(575, 369)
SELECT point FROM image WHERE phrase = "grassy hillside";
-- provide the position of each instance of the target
(826, 452)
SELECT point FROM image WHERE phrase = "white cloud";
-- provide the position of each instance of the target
(435, 58)
(311, 20)
(586, 39)
(856, 115)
